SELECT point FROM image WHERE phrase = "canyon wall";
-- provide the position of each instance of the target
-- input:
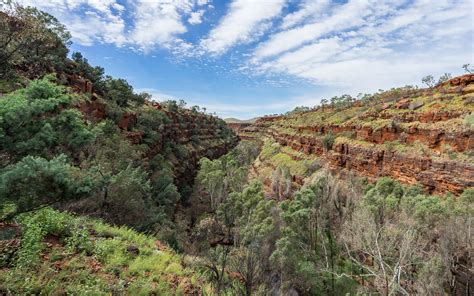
(201, 135)
(424, 138)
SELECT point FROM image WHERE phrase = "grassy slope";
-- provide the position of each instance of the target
(58, 253)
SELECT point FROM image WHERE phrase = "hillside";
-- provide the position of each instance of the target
(416, 136)
(78, 145)
(70, 255)
(237, 125)
(104, 191)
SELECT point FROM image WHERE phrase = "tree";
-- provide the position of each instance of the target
(328, 141)
(246, 262)
(281, 182)
(216, 262)
(172, 105)
(123, 193)
(31, 40)
(94, 74)
(121, 92)
(428, 80)
(164, 192)
(39, 120)
(211, 176)
(444, 77)
(35, 182)
(467, 68)
(307, 252)
(383, 199)
(152, 122)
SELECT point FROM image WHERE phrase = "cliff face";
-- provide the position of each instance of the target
(423, 136)
(201, 135)
(238, 126)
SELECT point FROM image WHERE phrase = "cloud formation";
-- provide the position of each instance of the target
(245, 21)
(355, 45)
(364, 45)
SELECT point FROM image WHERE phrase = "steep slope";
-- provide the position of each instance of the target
(413, 135)
(140, 157)
(199, 135)
(55, 253)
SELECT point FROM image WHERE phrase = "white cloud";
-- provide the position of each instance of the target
(158, 22)
(373, 48)
(354, 45)
(346, 16)
(245, 21)
(307, 9)
(203, 2)
(196, 17)
(102, 20)
(152, 23)
(156, 94)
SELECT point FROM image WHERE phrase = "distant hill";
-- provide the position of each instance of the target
(235, 120)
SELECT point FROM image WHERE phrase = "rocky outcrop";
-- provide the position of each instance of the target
(437, 176)
(414, 144)
(238, 126)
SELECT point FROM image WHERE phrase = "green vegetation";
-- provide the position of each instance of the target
(73, 164)
(59, 253)
(333, 235)
(77, 140)
(31, 40)
(57, 152)
(328, 141)
(469, 120)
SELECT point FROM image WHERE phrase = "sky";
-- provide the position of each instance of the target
(247, 58)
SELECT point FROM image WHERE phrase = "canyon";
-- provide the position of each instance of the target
(420, 138)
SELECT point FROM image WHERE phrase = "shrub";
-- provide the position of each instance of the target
(49, 222)
(36, 121)
(328, 141)
(469, 120)
(35, 181)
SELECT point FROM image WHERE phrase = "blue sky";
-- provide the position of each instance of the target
(246, 58)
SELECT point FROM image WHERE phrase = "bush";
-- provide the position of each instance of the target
(35, 181)
(328, 141)
(49, 222)
(469, 120)
(36, 121)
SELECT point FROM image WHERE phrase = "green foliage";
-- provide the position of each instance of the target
(306, 251)
(342, 102)
(32, 40)
(49, 222)
(94, 74)
(245, 152)
(120, 92)
(428, 80)
(92, 257)
(35, 181)
(383, 198)
(469, 120)
(328, 141)
(152, 122)
(444, 77)
(35, 121)
(171, 105)
(269, 149)
(164, 193)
